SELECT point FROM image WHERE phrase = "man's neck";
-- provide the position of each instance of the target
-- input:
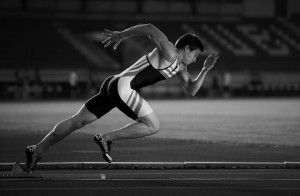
(179, 55)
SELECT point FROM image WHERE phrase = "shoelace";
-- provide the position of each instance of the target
(104, 144)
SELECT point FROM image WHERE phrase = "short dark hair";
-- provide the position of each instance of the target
(191, 40)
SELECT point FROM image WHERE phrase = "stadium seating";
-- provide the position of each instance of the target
(262, 44)
(269, 47)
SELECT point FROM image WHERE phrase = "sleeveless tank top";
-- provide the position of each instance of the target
(142, 73)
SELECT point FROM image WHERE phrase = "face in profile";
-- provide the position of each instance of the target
(190, 56)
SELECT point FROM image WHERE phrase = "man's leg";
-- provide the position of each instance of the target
(134, 106)
(93, 109)
(145, 126)
(64, 128)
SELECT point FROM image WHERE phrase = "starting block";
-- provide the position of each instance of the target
(18, 172)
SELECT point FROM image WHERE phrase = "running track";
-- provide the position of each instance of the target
(149, 182)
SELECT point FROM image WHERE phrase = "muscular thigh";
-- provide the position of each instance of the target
(128, 100)
(101, 103)
(84, 116)
(151, 120)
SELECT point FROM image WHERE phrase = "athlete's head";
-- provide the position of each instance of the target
(191, 47)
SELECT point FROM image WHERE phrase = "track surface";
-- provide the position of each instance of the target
(234, 130)
(157, 182)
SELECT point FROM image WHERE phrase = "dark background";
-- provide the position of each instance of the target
(43, 41)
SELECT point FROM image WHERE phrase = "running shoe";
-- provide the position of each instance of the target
(31, 158)
(105, 146)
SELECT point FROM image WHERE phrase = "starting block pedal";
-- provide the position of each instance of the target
(18, 172)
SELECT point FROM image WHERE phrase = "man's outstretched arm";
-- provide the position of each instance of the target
(158, 38)
(192, 87)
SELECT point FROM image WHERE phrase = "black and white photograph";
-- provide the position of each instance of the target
(150, 97)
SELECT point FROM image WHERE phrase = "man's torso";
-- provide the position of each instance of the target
(157, 60)
(149, 70)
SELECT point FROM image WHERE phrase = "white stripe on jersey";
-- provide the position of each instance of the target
(131, 98)
(136, 102)
(127, 102)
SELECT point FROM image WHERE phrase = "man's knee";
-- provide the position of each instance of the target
(152, 123)
(82, 118)
(67, 126)
(154, 126)
(78, 123)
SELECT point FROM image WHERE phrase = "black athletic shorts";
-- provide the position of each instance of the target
(107, 99)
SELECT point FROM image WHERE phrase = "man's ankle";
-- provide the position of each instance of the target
(105, 137)
(37, 151)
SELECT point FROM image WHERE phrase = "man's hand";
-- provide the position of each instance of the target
(210, 60)
(112, 37)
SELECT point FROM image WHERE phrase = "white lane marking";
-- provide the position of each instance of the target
(204, 179)
(203, 173)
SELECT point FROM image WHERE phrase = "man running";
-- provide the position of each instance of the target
(165, 61)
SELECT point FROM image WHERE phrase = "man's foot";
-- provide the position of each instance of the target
(104, 146)
(31, 158)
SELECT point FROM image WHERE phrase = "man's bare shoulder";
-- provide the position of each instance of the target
(169, 51)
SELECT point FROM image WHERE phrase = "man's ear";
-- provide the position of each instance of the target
(186, 48)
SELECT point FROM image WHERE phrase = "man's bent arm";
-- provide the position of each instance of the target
(145, 30)
(191, 87)
(159, 39)
(166, 48)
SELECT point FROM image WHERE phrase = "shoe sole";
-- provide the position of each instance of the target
(105, 156)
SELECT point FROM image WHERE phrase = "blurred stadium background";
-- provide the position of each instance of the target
(51, 49)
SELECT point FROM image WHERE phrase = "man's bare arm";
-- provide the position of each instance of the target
(149, 30)
(192, 87)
